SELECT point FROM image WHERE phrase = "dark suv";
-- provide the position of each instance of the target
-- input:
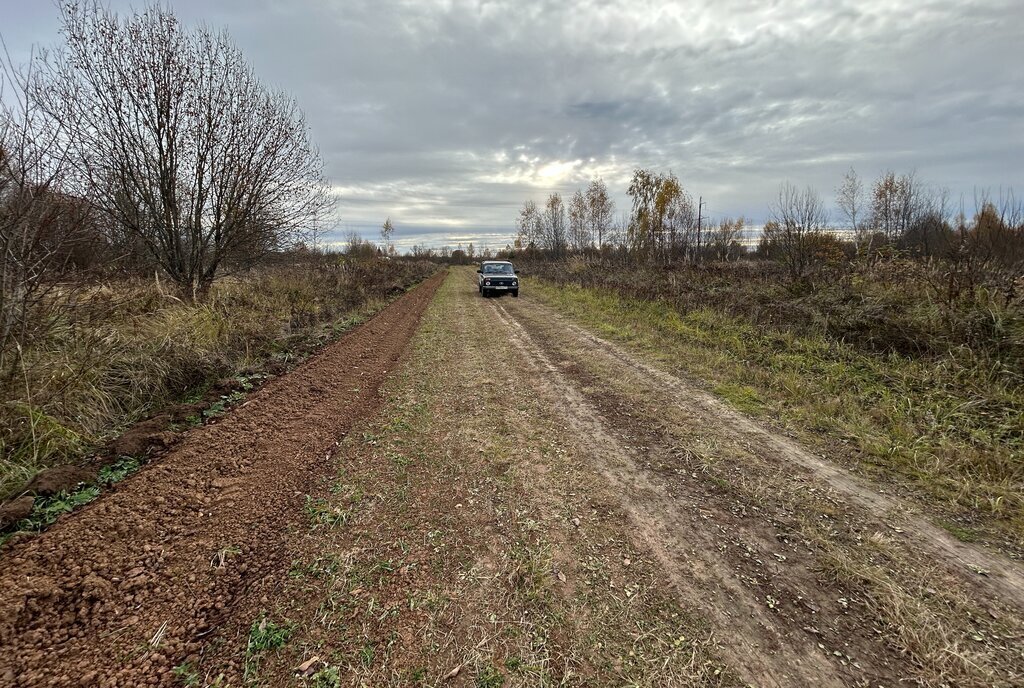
(496, 277)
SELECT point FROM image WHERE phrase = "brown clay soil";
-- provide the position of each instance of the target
(117, 593)
(479, 492)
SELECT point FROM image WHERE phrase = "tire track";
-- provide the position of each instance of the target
(1002, 579)
(763, 651)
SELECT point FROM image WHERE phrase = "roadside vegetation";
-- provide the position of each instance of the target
(148, 257)
(895, 335)
(123, 349)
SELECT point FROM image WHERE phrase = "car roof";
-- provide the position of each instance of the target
(491, 262)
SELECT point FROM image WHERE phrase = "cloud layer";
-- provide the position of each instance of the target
(446, 114)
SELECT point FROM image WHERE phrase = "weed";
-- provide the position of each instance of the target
(222, 555)
(322, 513)
(48, 509)
(960, 533)
(264, 635)
(489, 677)
(320, 568)
(744, 398)
(399, 460)
(267, 635)
(187, 675)
(530, 567)
(328, 677)
(119, 470)
(226, 401)
(366, 654)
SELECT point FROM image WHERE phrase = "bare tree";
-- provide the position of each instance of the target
(725, 238)
(579, 230)
(529, 226)
(40, 225)
(850, 199)
(929, 231)
(798, 218)
(988, 250)
(386, 230)
(553, 225)
(1001, 233)
(685, 229)
(897, 203)
(178, 143)
(600, 212)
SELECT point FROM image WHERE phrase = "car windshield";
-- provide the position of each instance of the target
(498, 269)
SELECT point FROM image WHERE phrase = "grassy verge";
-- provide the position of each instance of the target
(948, 431)
(123, 350)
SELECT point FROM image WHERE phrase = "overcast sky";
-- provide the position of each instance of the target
(446, 114)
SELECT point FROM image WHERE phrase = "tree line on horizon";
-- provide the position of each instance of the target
(896, 213)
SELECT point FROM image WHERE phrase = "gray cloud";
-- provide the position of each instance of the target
(447, 114)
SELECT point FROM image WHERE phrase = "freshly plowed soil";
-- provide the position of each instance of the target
(122, 591)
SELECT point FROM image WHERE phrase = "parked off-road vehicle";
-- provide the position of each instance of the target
(497, 277)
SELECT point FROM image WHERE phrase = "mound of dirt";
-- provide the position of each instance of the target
(60, 479)
(15, 510)
(145, 438)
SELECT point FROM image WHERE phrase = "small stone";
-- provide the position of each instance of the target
(307, 667)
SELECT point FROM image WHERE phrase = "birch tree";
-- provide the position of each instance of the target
(600, 212)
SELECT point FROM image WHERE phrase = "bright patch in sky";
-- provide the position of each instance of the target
(446, 114)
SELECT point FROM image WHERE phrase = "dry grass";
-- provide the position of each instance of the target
(931, 624)
(949, 632)
(952, 427)
(121, 350)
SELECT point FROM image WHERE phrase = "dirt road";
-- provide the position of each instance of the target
(501, 498)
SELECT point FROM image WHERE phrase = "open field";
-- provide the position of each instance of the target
(506, 492)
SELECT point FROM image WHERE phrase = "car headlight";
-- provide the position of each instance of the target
(487, 283)
(515, 283)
